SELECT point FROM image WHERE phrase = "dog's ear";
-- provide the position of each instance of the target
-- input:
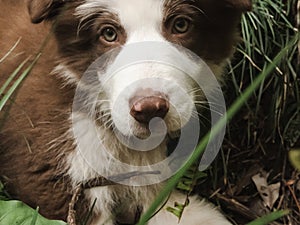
(241, 5)
(43, 9)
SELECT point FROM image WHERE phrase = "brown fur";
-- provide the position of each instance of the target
(38, 115)
(215, 27)
(30, 164)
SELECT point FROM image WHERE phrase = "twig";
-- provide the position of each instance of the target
(288, 184)
(72, 212)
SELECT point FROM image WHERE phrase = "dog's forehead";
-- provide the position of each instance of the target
(141, 19)
(130, 12)
(137, 13)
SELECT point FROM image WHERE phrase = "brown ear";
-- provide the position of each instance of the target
(241, 5)
(43, 9)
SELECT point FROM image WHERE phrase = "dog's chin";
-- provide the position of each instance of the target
(142, 131)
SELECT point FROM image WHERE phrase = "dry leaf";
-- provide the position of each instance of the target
(269, 193)
(294, 155)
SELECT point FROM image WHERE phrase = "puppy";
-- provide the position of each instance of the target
(67, 126)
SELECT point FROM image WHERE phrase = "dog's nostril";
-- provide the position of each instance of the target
(146, 108)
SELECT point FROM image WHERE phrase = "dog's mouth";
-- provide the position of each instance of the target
(149, 112)
(143, 131)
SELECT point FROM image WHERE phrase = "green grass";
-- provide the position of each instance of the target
(266, 31)
(14, 86)
(270, 218)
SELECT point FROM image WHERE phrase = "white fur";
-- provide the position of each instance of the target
(64, 72)
(98, 149)
(197, 212)
(143, 21)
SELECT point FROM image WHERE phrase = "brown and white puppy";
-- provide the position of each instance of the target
(42, 159)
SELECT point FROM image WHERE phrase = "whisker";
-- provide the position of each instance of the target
(212, 110)
(201, 117)
(208, 103)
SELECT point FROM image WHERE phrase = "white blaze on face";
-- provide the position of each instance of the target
(142, 21)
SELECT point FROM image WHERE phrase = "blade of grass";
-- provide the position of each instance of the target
(10, 51)
(35, 216)
(17, 83)
(214, 131)
(12, 76)
(270, 218)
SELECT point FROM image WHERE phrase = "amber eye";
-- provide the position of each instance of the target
(181, 25)
(109, 34)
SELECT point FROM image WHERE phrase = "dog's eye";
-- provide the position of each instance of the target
(109, 34)
(181, 25)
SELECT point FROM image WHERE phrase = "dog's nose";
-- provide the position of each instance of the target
(145, 108)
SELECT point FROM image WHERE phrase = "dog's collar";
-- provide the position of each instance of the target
(100, 182)
(78, 191)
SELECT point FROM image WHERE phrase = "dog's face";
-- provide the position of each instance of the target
(86, 30)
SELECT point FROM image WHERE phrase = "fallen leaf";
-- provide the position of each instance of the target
(269, 193)
(294, 155)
